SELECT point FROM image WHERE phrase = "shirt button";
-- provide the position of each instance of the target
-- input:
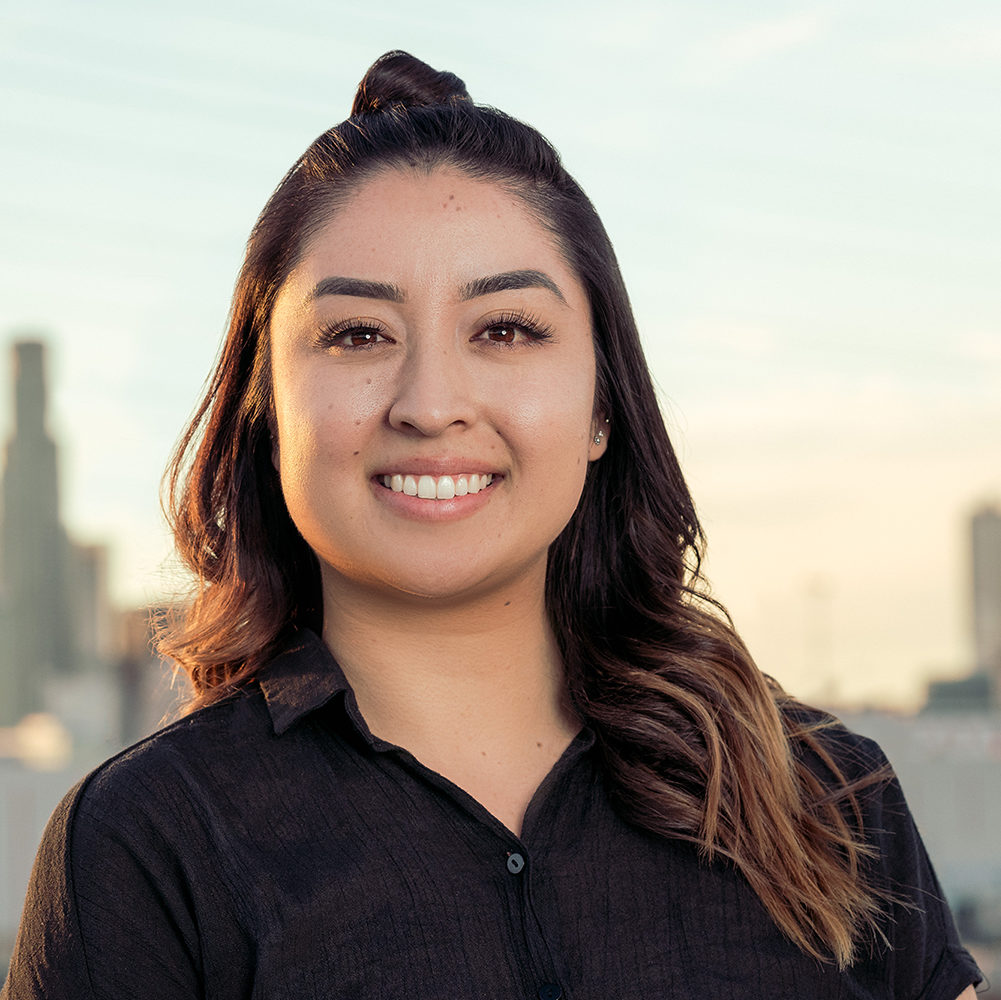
(550, 991)
(515, 863)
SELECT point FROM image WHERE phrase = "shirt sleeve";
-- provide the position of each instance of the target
(925, 960)
(106, 914)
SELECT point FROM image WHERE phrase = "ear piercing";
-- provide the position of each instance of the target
(600, 434)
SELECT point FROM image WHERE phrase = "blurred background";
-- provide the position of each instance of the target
(806, 203)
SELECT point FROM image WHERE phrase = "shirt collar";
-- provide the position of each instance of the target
(301, 678)
(304, 676)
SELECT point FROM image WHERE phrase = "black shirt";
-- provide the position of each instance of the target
(270, 846)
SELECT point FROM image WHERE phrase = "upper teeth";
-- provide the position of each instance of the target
(440, 488)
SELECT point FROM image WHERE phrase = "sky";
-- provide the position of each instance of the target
(806, 204)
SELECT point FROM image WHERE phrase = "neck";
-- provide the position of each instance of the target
(454, 683)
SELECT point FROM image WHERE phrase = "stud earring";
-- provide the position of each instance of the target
(601, 433)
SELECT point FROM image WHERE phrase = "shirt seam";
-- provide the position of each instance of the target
(71, 819)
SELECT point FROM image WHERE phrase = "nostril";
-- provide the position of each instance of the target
(433, 396)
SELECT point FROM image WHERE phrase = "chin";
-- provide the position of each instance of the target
(446, 585)
(447, 591)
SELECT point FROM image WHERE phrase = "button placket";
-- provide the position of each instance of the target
(517, 864)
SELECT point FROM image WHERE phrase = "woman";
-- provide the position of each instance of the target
(464, 726)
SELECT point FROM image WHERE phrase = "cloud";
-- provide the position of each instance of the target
(718, 60)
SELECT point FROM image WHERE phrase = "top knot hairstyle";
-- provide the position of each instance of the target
(697, 744)
(399, 78)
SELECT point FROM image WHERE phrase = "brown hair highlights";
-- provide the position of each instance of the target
(697, 743)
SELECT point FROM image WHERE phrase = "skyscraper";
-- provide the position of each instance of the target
(35, 628)
(985, 538)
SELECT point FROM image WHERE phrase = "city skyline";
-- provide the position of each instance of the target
(802, 197)
(55, 618)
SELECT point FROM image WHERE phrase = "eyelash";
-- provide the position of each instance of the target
(331, 336)
(533, 329)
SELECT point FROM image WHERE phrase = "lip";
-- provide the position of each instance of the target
(441, 466)
(432, 511)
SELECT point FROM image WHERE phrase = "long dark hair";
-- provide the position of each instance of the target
(697, 743)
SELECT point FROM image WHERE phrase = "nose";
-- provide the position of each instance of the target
(435, 391)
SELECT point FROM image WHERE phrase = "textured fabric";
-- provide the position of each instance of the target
(270, 847)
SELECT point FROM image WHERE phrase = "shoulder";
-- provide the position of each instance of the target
(164, 787)
(119, 863)
(837, 755)
(920, 950)
(199, 744)
(132, 867)
(852, 770)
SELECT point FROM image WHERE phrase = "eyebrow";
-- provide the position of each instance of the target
(509, 281)
(504, 282)
(358, 287)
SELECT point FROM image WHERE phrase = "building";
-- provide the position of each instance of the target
(985, 544)
(56, 624)
(979, 690)
(36, 635)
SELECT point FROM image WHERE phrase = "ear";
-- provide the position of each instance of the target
(600, 429)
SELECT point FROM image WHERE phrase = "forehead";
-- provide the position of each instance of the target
(414, 227)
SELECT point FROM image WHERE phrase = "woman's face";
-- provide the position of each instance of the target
(434, 382)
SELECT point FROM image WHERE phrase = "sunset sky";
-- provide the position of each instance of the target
(806, 204)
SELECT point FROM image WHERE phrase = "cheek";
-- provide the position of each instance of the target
(301, 439)
(552, 419)
(320, 418)
(556, 403)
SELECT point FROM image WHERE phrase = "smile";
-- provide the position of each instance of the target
(437, 487)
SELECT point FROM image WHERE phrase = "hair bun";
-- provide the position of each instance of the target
(400, 78)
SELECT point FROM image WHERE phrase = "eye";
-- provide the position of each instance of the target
(506, 333)
(514, 329)
(360, 338)
(352, 336)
